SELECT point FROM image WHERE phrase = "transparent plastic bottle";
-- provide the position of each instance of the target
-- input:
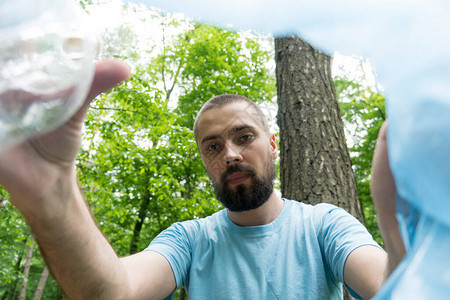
(46, 66)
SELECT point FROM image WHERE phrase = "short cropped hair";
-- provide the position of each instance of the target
(222, 100)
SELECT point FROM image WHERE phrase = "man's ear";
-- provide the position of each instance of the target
(273, 145)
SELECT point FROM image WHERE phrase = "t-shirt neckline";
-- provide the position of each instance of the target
(260, 230)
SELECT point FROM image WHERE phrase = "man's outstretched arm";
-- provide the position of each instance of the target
(368, 267)
(40, 177)
(365, 270)
(383, 190)
(83, 262)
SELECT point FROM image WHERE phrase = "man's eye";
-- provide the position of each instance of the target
(212, 148)
(245, 138)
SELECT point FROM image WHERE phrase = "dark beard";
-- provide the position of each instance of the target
(244, 197)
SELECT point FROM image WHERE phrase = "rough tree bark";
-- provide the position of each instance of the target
(315, 163)
(314, 160)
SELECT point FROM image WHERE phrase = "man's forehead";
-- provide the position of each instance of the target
(232, 127)
(228, 118)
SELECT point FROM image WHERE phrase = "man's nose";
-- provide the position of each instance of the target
(232, 154)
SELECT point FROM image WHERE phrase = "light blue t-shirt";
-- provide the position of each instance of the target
(300, 255)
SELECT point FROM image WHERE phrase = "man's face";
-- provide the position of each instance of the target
(238, 155)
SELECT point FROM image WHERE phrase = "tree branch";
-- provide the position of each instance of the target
(116, 109)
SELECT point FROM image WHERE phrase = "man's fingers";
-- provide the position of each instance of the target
(108, 74)
(382, 134)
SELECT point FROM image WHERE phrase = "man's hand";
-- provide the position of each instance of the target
(40, 177)
(29, 170)
(383, 191)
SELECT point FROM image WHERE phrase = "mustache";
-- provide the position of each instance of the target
(237, 168)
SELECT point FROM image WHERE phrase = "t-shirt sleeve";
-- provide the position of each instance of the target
(175, 244)
(339, 234)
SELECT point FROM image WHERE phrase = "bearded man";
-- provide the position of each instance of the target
(259, 247)
(262, 246)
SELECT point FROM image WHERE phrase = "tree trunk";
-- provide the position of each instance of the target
(10, 294)
(314, 160)
(41, 285)
(2, 202)
(26, 271)
(315, 163)
(139, 222)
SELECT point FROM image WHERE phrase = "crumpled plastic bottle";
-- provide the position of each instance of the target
(46, 66)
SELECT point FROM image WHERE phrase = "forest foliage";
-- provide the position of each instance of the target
(139, 168)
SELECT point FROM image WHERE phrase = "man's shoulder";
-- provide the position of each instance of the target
(194, 225)
(316, 209)
(320, 215)
(188, 232)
